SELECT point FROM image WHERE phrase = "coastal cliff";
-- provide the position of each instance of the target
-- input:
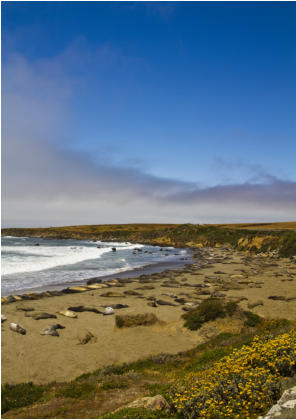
(214, 339)
(279, 237)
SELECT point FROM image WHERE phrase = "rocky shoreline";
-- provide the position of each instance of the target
(83, 285)
(264, 284)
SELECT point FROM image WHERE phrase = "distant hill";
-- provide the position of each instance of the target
(254, 237)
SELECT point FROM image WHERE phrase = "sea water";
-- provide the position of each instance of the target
(31, 264)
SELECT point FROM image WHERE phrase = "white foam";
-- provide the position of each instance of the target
(32, 258)
(125, 245)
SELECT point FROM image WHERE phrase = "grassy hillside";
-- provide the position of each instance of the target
(100, 393)
(252, 237)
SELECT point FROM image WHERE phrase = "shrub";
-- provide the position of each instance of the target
(209, 310)
(288, 245)
(78, 390)
(21, 395)
(135, 320)
(275, 326)
(242, 385)
(231, 307)
(108, 385)
(252, 319)
(207, 358)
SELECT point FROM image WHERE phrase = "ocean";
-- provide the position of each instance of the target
(37, 264)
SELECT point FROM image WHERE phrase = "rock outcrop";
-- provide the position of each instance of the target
(285, 407)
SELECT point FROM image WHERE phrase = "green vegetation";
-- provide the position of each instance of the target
(77, 390)
(256, 238)
(187, 372)
(244, 384)
(231, 308)
(207, 358)
(114, 385)
(209, 310)
(288, 245)
(107, 389)
(21, 395)
(252, 319)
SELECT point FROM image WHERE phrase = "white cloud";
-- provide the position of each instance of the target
(44, 183)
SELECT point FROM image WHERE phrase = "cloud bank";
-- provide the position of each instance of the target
(44, 182)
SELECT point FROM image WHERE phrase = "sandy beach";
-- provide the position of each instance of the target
(219, 272)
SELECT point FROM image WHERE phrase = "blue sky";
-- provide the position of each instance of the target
(179, 98)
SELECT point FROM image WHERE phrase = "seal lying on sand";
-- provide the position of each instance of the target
(108, 311)
(52, 330)
(3, 318)
(68, 313)
(82, 308)
(117, 306)
(17, 328)
(39, 315)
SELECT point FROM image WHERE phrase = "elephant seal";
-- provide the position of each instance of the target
(165, 302)
(68, 313)
(108, 311)
(39, 315)
(52, 330)
(17, 328)
(118, 306)
(82, 308)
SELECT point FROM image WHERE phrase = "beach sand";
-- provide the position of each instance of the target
(42, 359)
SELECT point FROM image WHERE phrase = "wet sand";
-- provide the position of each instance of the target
(42, 359)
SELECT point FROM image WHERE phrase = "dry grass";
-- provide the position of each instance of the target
(260, 226)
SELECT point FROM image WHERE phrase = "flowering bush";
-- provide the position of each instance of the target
(242, 385)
